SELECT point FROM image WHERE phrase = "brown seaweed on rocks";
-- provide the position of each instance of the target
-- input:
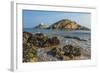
(40, 40)
(68, 50)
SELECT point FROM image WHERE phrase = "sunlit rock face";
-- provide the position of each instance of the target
(68, 25)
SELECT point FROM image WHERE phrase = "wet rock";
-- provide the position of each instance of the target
(54, 41)
(29, 53)
(39, 47)
(56, 52)
(52, 52)
(26, 37)
(60, 58)
(74, 37)
(68, 51)
(40, 40)
(33, 42)
(71, 51)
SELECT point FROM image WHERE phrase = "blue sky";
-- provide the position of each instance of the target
(32, 18)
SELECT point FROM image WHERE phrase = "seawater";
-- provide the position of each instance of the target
(82, 34)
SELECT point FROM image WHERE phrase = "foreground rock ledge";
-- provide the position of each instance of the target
(40, 40)
(36, 44)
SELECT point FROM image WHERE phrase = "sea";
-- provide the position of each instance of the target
(82, 34)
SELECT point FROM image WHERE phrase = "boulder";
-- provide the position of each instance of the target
(71, 51)
(54, 41)
(52, 52)
(40, 40)
(26, 37)
(75, 37)
(29, 53)
(56, 52)
(68, 51)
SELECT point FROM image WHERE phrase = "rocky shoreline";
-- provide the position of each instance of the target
(39, 47)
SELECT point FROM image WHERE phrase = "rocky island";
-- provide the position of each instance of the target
(65, 24)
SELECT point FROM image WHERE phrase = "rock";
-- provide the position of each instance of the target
(54, 41)
(39, 47)
(26, 37)
(71, 51)
(29, 53)
(56, 52)
(40, 40)
(52, 52)
(41, 26)
(39, 35)
(68, 25)
(68, 51)
(74, 37)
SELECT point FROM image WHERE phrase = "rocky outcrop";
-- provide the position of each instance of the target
(67, 51)
(68, 25)
(72, 51)
(26, 37)
(41, 26)
(32, 42)
(74, 37)
(62, 24)
(39, 47)
(56, 52)
(40, 40)
(29, 53)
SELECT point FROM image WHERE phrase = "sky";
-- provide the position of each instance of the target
(32, 18)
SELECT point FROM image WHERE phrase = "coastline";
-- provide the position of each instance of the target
(84, 47)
